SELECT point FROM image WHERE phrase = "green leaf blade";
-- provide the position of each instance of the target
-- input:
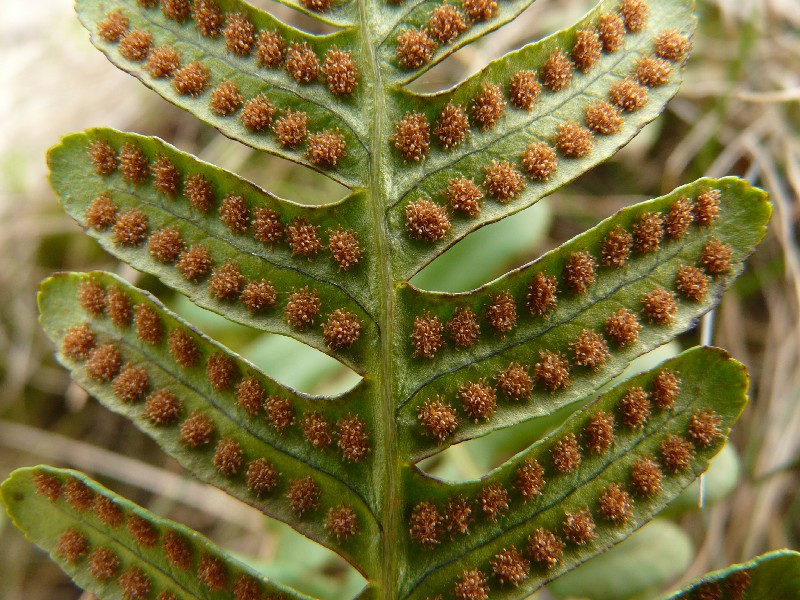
(744, 213)
(220, 427)
(167, 561)
(710, 380)
(326, 111)
(517, 128)
(78, 186)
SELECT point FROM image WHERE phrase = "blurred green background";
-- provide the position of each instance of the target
(737, 113)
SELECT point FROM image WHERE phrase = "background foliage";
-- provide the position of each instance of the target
(736, 113)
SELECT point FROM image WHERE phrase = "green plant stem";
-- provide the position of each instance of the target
(386, 447)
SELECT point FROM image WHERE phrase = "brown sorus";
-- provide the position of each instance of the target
(552, 370)
(135, 584)
(452, 126)
(503, 181)
(510, 566)
(542, 295)
(135, 45)
(326, 148)
(166, 176)
(258, 296)
(240, 33)
(163, 62)
(580, 272)
(212, 573)
(603, 118)
(92, 297)
(471, 585)
(192, 79)
(716, 257)
(427, 338)
(207, 17)
(228, 457)
(340, 71)
(133, 164)
(670, 44)
(599, 432)
(148, 324)
(478, 399)
(659, 306)
(704, 427)
(676, 453)
(267, 226)
(666, 387)
(78, 495)
(464, 196)
(302, 63)
(590, 349)
(623, 327)
(556, 72)
(130, 228)
(177, 550)
(227, 281)
(103, 564)
(317, 430)
(177, 10)
(426, 220)
(648, 231)
(634, 407)
(108, 512)
(101, 213)
(47, 485)
(514, 382)
(132, 384)
(463, 327)
(104, 363)
(183, 348)
(678, 219)
(291, 129)
(446, 23)
(235, 213)
(692, 283)
(545, 548)
(480, 10)
(270, 48)
(487, 106)
(634, 13)
(142, 531)
(341, 522)
(566, 454)
(352, 438)
(342, 329)
(501, 313)
(251, 395)
(425, 524)
(163, 407)
(344, 247)
(616, 248)
(303, 495)
(257, 113)
(611, 30)
(524, 89)
(628, 94)
(615, 504)
(302, 308)
(225, 99)
(579, 527)
(646, 477)
(72, 545)
(103, 157)
(438, 418)
(114, 26)
(652, 71)
(457, 516)
(195, 263)
(197, 430)
(200, 192)
(572, 140)
(587, 48)
(78, 342)
(493, 501)
(412, 137)
(529, 480)
(262, 476)
(415, 48)
(221, 371)
(118, 306)
(540, 161)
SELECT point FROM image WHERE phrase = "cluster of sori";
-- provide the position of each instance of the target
(114, 558)
(582, 270)
(242, 39)
(592, 435)
(503, 180)
(195, 263)
(109, 357)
